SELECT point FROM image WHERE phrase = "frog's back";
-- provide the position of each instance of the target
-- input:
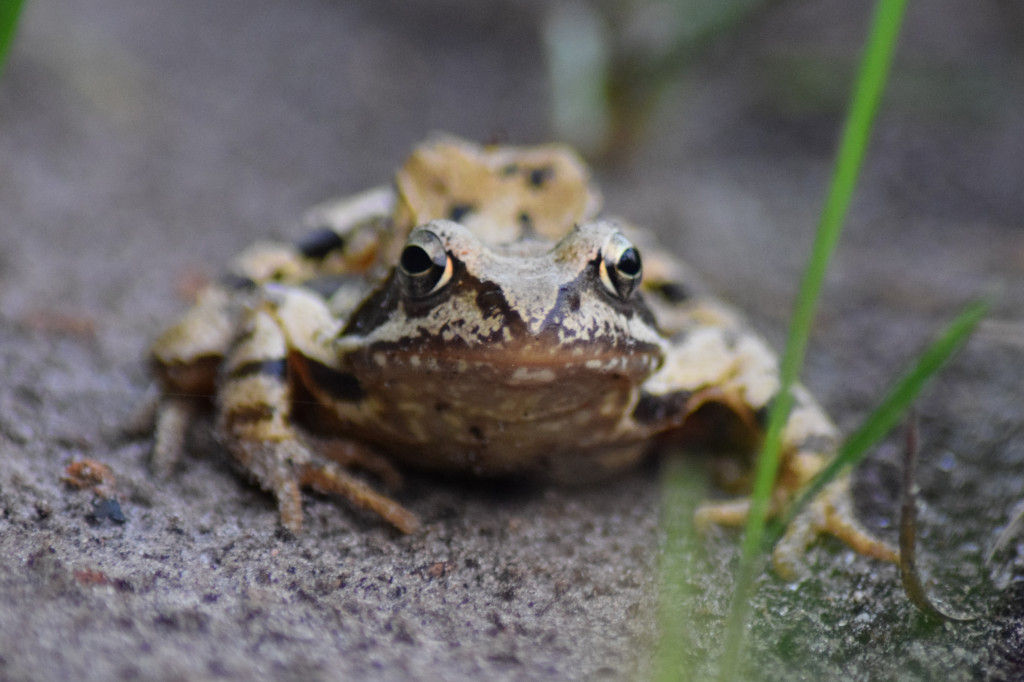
(505, 195)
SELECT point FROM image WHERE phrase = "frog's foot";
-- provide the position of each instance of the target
(831, 513)
(284, 467)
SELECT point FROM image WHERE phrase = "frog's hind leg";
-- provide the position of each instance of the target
(713, 358)
(255, 423)
(809, 439)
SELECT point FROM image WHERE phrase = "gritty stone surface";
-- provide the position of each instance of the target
(142, 144)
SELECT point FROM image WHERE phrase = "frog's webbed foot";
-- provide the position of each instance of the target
(830, 513)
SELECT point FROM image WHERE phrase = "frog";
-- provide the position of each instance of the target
(482, 316)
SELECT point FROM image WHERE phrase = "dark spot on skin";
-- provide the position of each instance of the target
(339, 385)
(490, 300)
(236, 282)
(476, 432)
(572, 299)
(246, 335)
(459, 211)
(674, 292)
(198, 376)
(539, 176)
(510, 169)
(318, 243)
(441, 407)
(526, 222)
(651, 409)
(267, 368)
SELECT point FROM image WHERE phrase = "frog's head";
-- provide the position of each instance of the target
(529, 306)
(469, 356)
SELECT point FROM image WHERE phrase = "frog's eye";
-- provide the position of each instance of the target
(621, 269)
(425, 264)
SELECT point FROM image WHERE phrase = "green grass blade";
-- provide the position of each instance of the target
(892, 408)
(9, 12)
(868, 89)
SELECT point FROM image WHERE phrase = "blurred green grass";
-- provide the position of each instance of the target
(611, 62)
(10, 10)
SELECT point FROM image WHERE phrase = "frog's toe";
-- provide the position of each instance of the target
(173, 416)
(286, 466)
(730, 513)
(272, 465)
(331, 478)
(831, 513)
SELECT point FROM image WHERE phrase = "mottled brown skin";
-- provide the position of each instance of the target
(478, 318)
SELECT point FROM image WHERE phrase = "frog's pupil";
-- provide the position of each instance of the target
(416, 260)
(629, 262)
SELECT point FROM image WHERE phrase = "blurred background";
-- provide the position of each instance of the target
(143, 144)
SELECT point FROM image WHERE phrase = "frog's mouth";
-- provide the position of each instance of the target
(508, 365)
(517, 404)
(502, 391)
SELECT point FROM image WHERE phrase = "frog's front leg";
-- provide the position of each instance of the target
(187, 357)
(254, 420)
(185, 360)
(726, 364)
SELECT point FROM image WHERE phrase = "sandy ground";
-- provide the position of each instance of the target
(144, 143)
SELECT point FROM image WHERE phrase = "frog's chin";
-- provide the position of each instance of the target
(507, 416)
